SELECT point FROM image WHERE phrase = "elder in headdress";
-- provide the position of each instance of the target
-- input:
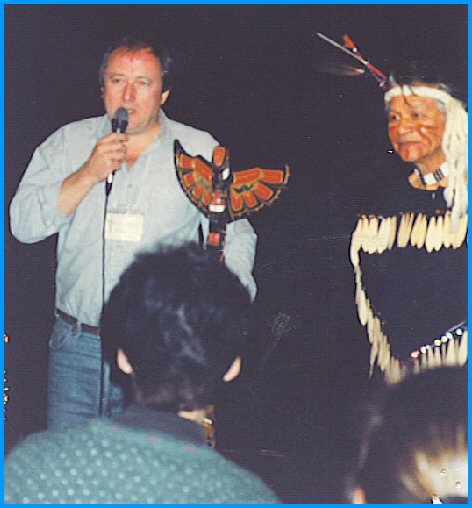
(428, 126)
(413, 297)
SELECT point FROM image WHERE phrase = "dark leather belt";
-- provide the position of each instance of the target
(71, 320)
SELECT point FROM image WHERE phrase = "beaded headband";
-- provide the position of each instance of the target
(420, 91)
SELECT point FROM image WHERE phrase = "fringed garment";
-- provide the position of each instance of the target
(410, 269)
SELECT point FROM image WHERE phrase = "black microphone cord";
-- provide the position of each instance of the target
(119, 122)
(102, 407)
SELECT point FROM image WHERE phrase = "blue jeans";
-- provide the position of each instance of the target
(75, 378)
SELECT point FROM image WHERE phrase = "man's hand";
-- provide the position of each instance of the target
(107, 156)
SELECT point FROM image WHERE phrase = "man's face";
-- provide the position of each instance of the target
(133, 80)
(416, 127)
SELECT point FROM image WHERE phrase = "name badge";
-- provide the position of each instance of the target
(127, 227)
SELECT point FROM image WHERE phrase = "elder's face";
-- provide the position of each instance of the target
(416, 128)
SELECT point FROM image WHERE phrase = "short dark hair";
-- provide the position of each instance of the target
(420, 421)
(180, 317)
(133, 43)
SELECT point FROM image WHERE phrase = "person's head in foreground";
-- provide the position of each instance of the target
(176, 324)
(413, 447)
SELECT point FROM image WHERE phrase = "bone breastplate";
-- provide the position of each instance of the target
(410, 272)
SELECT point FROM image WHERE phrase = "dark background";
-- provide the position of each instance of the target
(250, 75)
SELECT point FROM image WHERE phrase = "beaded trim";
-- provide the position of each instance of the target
(434, 177)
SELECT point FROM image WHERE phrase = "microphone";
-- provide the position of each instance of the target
(119, 122)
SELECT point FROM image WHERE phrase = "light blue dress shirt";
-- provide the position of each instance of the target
(150, 190)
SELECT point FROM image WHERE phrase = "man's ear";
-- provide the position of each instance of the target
(358, 496)
(123, 363)
(164, 97)
(233, 371)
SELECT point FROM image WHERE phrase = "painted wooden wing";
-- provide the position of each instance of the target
(245, 191)
(195, 176)
(255, 188)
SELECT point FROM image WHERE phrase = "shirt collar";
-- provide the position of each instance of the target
(160, 421)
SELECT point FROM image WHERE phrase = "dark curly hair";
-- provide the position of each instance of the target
(180, 317)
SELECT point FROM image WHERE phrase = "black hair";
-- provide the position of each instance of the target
(180, 317)
(133, 43)
(411, 72)
(422, 418)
